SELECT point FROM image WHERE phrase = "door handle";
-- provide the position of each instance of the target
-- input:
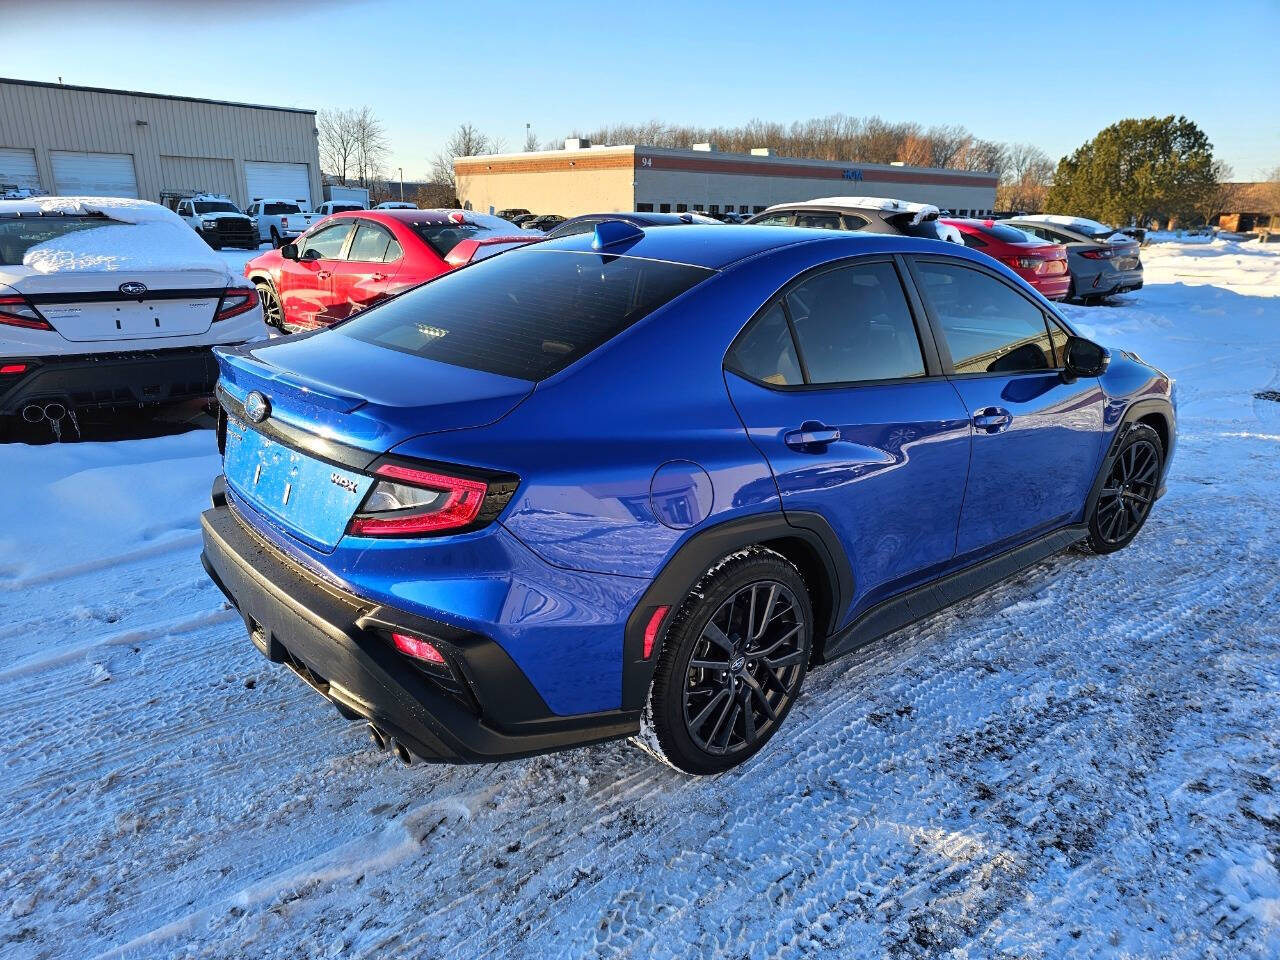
(323, 274)
(992, 419)
(811, 434)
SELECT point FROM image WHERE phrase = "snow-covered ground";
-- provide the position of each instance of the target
(1083, 762)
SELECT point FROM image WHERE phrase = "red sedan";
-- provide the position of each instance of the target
(1041, 264)
(354, 259)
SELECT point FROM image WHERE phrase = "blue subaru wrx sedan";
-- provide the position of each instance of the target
(639, 481)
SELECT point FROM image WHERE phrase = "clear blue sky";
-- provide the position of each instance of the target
(1051, 73)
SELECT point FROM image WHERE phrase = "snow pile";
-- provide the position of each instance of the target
(137, 236)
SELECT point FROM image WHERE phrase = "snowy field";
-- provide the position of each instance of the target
(1084, 762)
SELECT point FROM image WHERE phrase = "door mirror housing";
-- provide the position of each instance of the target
(1084, 358)
(289, 251)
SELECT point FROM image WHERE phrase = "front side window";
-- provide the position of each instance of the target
(779, 219)
(574, 227)
(765, 351)
(989, 327)
(326, 243)
(853, 325)
(526, 315)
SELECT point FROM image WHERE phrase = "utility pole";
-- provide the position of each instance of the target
(401, 169)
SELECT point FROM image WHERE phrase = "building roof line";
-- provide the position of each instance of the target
(153, 96)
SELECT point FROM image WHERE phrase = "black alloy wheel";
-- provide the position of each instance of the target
(1128, 492)
(732, 663)
(272, 312)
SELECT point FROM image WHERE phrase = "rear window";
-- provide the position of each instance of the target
(1006, 234)
(280, 209)
(443, 237)
(20, 234)
(527, 315)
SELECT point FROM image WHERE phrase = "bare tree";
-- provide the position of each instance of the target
(530, 139)
(1220, 196)
(336, 137)
(371, 147)
(1024, 178)
(466, 141)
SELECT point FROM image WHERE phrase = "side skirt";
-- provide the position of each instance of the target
(906, 608)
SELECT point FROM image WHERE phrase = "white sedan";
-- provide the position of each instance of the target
(110, 303)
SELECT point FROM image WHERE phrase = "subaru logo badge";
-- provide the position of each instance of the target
(133, 288)
(256, 407)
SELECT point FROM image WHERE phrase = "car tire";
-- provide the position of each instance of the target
(272, 311)
(275, 239)
(733, 659)
(1128, 492)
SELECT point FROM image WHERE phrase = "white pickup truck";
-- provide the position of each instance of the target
(281, 221)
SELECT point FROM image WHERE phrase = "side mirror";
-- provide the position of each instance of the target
(1084, 358)
(289, 251)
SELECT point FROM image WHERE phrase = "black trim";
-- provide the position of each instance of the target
(111, 380)
(1135, 411)
(696, 556)
(115, 296)
(906, 608)
(337, 642)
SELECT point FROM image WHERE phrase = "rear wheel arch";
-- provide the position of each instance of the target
(804, 539)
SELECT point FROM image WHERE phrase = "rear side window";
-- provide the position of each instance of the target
(18, 235)
(853, 324)
(766, 353)
(369, 244)
(989, 327)
(972, 241)
(822, 221)
(527, 315)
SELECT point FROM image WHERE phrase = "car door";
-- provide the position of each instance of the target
(847, 401)
(306, 285)
(1037, 435)
(362, 279)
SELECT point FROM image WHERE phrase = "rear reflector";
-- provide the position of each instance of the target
(9, 369)
(418, 649)
(652, 627)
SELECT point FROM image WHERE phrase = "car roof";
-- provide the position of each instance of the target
(715, 248)
(640, 218)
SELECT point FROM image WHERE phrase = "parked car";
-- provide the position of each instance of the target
(869, 214)
(110, 303)
(1103, 262)
(281, 220)
(338, 206)
(457, 516)
(521, 219)
(1040, 263)
(510, 213)
(219, 221)
(545, 222)
(353, 260)
(396, 205)
(587, 221)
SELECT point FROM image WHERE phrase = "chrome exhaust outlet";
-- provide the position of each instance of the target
(53, 412)
(402, 753)
(33, 413)
(380, 739)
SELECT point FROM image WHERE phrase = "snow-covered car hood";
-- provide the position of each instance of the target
(135, 237)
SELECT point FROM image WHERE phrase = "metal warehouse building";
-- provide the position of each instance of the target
(586, 179)
(89, 141)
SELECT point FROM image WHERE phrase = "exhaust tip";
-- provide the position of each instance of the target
(402, 753)
(380, 739)
(33, 413)
(54, 411)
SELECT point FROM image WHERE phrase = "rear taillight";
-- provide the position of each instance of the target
(235, 301)
(407, 502)
(1106, 253)
(1025, 263)
(17, 311)
(284, 223)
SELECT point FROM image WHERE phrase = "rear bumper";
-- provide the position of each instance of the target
(104, 380)
(486, 709)
(1052, 288)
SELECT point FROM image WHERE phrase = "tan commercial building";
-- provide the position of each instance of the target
(586, 179)
(88, 141)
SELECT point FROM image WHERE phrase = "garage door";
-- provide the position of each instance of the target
(198, 175)
(93, 174)
(284, 181)
(18, 169)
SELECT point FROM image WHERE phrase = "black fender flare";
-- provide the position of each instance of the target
(1133, 413)
(695, 557)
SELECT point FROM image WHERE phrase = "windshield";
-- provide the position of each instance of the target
(215, 206)
(20, 234)
(526, 315)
